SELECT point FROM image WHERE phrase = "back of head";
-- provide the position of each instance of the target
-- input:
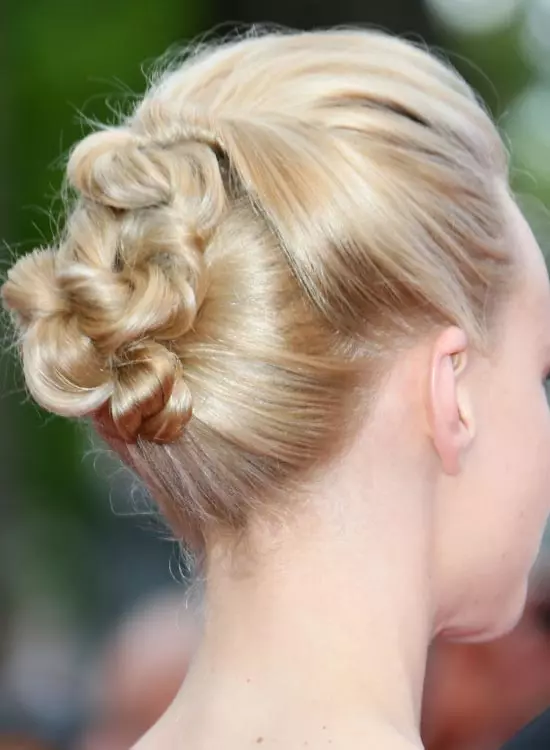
(248, 249)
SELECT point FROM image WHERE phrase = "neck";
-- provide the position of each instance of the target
(325, 638)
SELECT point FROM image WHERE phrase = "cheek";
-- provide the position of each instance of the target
(534, 450)
(511, 473)
(521, 460)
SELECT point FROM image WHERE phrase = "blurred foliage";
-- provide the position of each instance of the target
(492, 65)
(502, 66)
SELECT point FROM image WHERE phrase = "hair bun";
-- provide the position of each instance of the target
(102, 317)
(150, 399)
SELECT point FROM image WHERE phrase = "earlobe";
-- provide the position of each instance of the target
(450, 421)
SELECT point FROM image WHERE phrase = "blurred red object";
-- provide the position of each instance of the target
(478, 696)
(142, 668)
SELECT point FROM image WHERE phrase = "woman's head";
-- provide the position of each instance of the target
(254, 249)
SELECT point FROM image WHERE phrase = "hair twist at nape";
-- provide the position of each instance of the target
(98, 317)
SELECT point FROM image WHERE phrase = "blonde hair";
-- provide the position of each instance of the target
(276, 216)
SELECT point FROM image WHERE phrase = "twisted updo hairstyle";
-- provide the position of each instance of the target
(247, 250)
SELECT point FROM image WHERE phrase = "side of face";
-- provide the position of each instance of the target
(494, 508)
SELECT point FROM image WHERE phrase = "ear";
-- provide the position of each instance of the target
(450, 422)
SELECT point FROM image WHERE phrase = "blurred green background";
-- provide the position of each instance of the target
(77, 544)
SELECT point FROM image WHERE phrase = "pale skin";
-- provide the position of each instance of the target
(428, 524)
